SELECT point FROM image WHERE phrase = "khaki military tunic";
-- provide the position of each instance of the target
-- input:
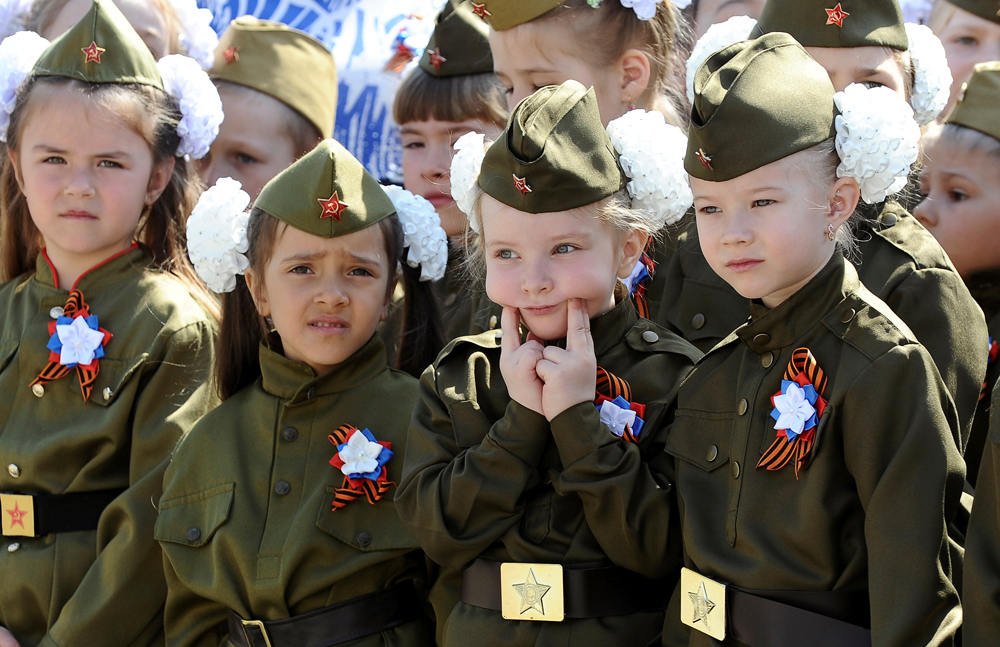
(485, 477)
(985, 289)
(900, 262)
(246, 519)
(102, 587)
(869, 511)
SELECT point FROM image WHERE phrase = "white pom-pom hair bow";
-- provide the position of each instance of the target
(217, 235)
(423, 235)
(196, 33)
(931, 74)
(18, 55)
(199, 101)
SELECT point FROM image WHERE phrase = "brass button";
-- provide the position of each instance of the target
(107, 393)
(13, 547)
(493, 322)
(14, 470)
(281, 488)
(848, 315)
(38, 390)
(762, 339)
(713, 453)
(767, 359)
(193, 534)
(698, 321)
(364, 538)
(290, 434)
(736, 470)
(649, 336)
(743, 406)
(888, 219)
(56, 312)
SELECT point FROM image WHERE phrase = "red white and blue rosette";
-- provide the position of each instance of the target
(362, 457)
(622, 417)
(797, 408)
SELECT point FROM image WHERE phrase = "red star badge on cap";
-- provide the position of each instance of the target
(231, 54)
(706, 160)
(521, 185)
(93, 53)
(836, 16)
(333, 207)
(480, 10)
(17, 516)
(437, 59)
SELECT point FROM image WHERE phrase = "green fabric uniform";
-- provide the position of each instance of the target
(869, 512)
(104, 586)
(985, 288)
(486, 477)
(246, 519)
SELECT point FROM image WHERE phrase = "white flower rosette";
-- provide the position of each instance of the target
(199, 101)
(932, 76)
(651, 152)
(719, 36)
(423, 235)
(18, 55)
(217, 235)
(470, 149)
(197, 37)
(644, 9)
(12, 15)
(877, 140)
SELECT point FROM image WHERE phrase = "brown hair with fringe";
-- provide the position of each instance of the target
(422, 97)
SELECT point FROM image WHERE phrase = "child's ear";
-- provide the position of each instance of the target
(17, 168)
(636, 74)
(257, 292)
(159, 180)
(633, 245)
(843, 200)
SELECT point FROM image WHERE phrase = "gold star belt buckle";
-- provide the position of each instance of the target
(532, 592)
(703, 604)
(18, 511)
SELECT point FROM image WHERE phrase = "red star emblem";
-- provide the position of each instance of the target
(17, 516)
(232, 54)
(706, 160)
(333, 207)
(93, 53)
(480, 10)
(437, 59)
(521, 185)
(836, 16)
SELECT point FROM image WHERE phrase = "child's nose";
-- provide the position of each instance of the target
(332, 292)
(81, 183)
(536, 279)
(926, 213)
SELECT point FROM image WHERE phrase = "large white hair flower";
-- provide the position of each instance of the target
(876, 139)
(217, 235)
(651, 152)
(18, 55)
(932, 76)
(719, 36)
(197, 37)
(644, 9)
(422, 233)
(201, 107)
(470, 149)
(12, 15)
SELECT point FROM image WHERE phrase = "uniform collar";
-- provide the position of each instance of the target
(609, 328)
(116, 268)
(296, 381)
(985, 289)
(772, 330)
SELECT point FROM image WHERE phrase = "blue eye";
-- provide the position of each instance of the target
(506, 254)
(564, 249)
(109, 164)
(762, 203)
(710, 210)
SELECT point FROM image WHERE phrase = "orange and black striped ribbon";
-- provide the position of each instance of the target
(346, 493)
(55, 370)
(639, 295)
(783, 450)
(992, 357)
(611, 386)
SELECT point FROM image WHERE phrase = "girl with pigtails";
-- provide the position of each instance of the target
(108, 335)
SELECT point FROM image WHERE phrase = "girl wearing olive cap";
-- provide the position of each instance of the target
(970, 32)
(816, 447)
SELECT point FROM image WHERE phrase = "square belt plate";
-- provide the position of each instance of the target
(703, 604)
(532, 592)
(18, 512)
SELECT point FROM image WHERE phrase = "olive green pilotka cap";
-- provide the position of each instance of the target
(836, 23)
(988, 9)
(979, 105)
(101, 48)
(284, 63)
(507, 14)
(554, 154)
(326, 193)
(460, 43)
(757, 102)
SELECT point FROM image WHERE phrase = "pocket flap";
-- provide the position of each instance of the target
(364, 526)
(715, 312)
(112, 378)
(192, 520)
(701, 438)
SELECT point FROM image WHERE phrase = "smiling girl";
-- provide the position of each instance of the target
(107, 338)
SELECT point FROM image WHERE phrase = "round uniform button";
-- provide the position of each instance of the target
(649, 336)
(193, 534)
(889, 219)
(736, 470)
(281, 488)
(107, 393)
(290, 434)
(713, 453)
(767, 359)
(493, 322)
(56, 312)
(13, 547)
(311, 393)
(762, 339)
(38, 390)
(14, 470)
(364, 538)
(848, 315)
(698, 321)
(743, 406)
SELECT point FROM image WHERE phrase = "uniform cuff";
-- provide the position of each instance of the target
(578, 431)
(522, 432)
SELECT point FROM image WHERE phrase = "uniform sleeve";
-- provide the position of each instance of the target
(121, 597)
(457, 500)
(191, 620)
(947, 321)
(909, 478)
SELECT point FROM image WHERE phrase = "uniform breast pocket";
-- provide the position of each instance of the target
(193, 520)
(711, 312)
(701, 438)
(364, 526)
(469, 422)
(115, 380)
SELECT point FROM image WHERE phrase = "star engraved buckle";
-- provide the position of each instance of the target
(259, 626)
(532, 592)
(18, 512)
(703, 604)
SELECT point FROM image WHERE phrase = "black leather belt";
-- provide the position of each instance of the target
(333, 625)
(778, 619)
(38, 515)
(589, 592)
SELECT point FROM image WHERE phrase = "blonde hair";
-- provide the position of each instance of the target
(821, 162)
(969, 139)
(941, 14)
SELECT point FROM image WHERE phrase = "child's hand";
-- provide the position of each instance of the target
(517, 362)
(7, 639)
(570, 375)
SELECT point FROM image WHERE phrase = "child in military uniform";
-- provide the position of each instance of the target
(970, 32)
(512, 473)
(108, 335)
(279, 92)
(816, 447)
(276, 521)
